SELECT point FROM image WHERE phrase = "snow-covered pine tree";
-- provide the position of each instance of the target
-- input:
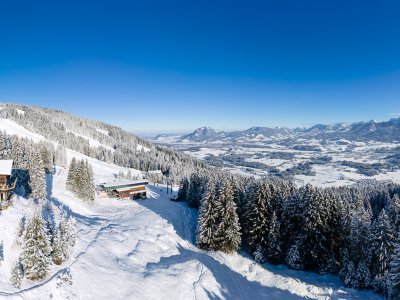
(274, 252)
(396, 211)
(5, 147)
(382, 247)
(80, 180)
(37, 177)
(207, 218)
(292, 220)
(61, 155)
(16, 274)
(64, 240)
(394, 274)
(195, 190)
(88, 183)
(314, 227)
(258, 220)
(294, 257)
(362, 275)
(183, 189)
(228, 228)
(47, 154)
(72, 175)
(36, 248)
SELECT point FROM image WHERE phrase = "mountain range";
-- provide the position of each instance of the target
(387, 131)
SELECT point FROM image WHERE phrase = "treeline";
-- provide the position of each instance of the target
(120, 147)
(31, 163)
(42, 243)
(80, 180)
(349, 231)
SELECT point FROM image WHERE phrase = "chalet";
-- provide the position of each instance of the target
(6, 187)
(125, 188)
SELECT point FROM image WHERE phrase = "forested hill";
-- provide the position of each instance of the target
(100, 140)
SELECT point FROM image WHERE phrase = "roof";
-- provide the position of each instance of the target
(6, 167)
(126, 189)
(122, 183)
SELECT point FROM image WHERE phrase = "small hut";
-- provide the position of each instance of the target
(6, 186)
(123, 188)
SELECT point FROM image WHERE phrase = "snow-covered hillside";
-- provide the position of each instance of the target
(145, 250)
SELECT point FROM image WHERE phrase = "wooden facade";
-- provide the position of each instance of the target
(126, 189)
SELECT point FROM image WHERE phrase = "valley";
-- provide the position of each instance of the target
(323, 159)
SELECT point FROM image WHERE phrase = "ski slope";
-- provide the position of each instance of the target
(145, 250)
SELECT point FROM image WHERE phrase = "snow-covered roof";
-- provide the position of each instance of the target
(119, 183)
(6, 167)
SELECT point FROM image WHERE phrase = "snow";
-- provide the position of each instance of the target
(6, 167)
(105, 132)
(140, 148)
(20, 112)
(145, 250)
(11, 127)
(92, 142)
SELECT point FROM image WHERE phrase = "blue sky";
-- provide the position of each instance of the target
(158, 66)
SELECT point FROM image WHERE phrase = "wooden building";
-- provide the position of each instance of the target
(6, 187)
(123, 188)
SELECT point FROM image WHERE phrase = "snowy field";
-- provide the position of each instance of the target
(330, 173)
(145, 250)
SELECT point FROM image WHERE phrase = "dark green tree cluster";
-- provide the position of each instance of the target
(350, 231)
(80, 180)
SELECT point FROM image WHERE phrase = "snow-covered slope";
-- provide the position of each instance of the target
(12, 128)
(144, 250)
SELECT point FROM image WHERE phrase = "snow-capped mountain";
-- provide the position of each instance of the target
(386, 131)
(204, 134)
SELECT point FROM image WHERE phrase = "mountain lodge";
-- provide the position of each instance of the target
(124, 188)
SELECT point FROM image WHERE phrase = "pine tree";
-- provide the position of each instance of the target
(64, 241)
(294, 257)
(72, 175)
(47, 154)
(183, 189)
(228, 227)
(362, 275)
(195, 191)
(37, 177)
(5, 147)
(382, 249)
(394, 274)
(257, 220)
(16, 275)
(80, 180)
(88, 192)
(207, 218)
(36, 249)
(274, 252)
(61, 155)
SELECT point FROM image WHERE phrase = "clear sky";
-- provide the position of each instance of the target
(157, 66)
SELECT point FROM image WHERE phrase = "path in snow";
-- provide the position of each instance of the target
(145, 250)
